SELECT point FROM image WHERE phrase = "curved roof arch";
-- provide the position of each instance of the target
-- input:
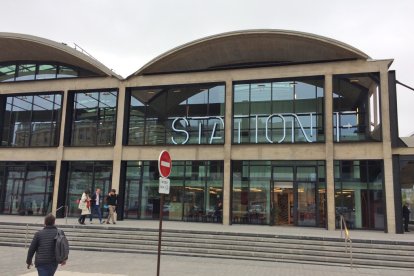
(21, 47)
(250, 48)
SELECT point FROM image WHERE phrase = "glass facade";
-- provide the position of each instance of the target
(196, 191)
(10, 72)
(26, 188)
(31, 120)
(356, 105)
(86, 175)
(406, 164)
(279, 193)
(94, 118)
(180, 114)
(279, 111)
(359, 193)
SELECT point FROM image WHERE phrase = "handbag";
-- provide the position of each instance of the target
(82, 205)
(106, 206)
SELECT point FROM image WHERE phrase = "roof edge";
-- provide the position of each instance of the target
(64, 48)
(252, 31)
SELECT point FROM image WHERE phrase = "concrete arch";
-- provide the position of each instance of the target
(250, 48)
(21, 47)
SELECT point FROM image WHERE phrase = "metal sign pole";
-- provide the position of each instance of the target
(159, 233)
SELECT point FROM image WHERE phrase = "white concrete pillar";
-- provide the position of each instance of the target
(227, 154)
(59, 155)
(117, 151)
(387, 151)
(329, 153)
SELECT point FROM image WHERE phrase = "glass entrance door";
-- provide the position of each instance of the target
(306, 204)
(294, 194)
(283, 203)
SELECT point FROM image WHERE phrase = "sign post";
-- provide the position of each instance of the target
(164, 168)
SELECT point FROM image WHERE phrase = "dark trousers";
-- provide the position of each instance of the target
(82, 219)
(406, 220)
(95, 209)
(46, 269)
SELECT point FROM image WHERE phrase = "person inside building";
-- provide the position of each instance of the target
(406, 216)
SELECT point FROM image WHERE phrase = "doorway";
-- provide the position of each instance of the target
(294, 196)
(283, 203)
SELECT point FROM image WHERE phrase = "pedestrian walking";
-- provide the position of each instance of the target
(406, 216)
(84, 206)
(111, 200)
(95, 205)
(43, 244)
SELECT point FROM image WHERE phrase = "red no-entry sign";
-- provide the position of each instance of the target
(164, 164)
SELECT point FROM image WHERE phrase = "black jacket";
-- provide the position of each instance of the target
(43, 244)
(111, 200)
(406, 212)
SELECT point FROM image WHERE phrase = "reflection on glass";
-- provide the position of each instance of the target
(7, 72)
(32, 120)
(279, 111)
(279, 193)
(356, 98)
(196, 189)
(87, 175)
(306, 212)
(26, 72)
(359, 193)
(46, 71)
(186, 114)
(94, 118)
(27, 188)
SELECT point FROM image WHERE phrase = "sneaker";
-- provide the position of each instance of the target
(114, 222)
(100, 222)
(107, 222)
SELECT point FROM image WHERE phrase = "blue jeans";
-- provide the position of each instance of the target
(95, 209)
(46, 269)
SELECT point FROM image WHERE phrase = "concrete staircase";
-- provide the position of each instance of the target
(261, 247)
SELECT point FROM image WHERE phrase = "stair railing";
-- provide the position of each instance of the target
(39, 220)
(347, 238)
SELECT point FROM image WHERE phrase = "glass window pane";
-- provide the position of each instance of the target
(180, 114)
(46, 71)
(66, 72)
(7, 72)
(26, 72)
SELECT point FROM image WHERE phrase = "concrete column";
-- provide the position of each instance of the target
(227, 154)
(59, 154)
(358, 208)
(117, 152)
(329, 153)
(387, 151)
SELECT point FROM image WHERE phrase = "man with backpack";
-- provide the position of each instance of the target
(51, 248)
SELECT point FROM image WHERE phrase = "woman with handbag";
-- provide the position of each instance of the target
(84, 206)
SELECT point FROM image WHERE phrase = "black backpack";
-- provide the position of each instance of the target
(61, 247)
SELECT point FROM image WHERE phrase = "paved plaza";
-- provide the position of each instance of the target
(92, 263)
(12, 262)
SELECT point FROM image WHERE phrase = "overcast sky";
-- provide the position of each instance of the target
(126, 34)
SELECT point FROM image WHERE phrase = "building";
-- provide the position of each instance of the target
(267, 127)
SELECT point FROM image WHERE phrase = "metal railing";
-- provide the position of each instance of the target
(347, 238)
(40, 219)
